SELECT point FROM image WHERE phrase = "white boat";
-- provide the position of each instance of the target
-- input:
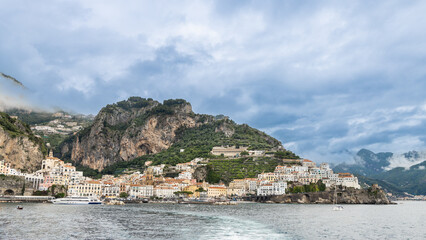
(76, 201)
(337, 208)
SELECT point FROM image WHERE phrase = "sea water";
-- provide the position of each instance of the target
(406, 220)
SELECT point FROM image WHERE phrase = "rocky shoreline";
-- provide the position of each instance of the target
(342, 196)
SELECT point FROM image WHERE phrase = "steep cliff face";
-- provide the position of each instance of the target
(137, 127)
(129, 129)
(19, 146)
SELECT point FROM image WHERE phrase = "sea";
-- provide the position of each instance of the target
(405, 220)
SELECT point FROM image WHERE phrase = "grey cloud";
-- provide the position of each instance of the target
(303, 72)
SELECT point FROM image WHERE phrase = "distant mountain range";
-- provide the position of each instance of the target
(397, 173)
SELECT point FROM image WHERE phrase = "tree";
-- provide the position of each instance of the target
(285, 154)
(124, 195)
(244, 153)
(60, 195)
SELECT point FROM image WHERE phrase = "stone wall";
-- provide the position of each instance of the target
(14, 185)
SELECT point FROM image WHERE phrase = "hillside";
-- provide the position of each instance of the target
(19, 146)
(53, 127)
(412, 180)
(129, 133)
(226, 170)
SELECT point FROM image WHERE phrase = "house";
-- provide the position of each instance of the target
(308, 163)
(228, 151)
(216, 191)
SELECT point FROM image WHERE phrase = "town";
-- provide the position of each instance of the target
(151, 184)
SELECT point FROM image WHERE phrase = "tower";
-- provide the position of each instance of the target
(149, 176)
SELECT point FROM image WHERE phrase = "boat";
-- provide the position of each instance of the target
(20, 207)
(76, 201)
(337, 208)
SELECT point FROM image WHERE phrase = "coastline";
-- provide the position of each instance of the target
(343, 196)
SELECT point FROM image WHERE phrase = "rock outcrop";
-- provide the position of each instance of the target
(136, 127)
(18, 145)
(130, 129)
(372, 195)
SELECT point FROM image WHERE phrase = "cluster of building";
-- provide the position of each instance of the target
(308, 172)
(151, 182)
(57, 127)
(62, 123)
(53, 172)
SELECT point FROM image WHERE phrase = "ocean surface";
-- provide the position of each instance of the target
(407, 220)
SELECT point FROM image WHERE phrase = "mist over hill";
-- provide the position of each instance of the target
(397, 173)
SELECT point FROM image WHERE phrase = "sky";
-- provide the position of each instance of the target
(326, 78)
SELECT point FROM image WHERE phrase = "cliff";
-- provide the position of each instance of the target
(344, 196)
(19, 146)
(126, 130)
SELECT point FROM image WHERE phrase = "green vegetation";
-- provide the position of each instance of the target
(167, 108)
(4, 177)
(88, 172)
(127, 105)
(227, 170)
(59, 191)
(41, 193)
(60, 195)
(124, 195)
(23, 189)
(412, 180)
(198, 142)
(32, 117)
(17, 128)
(13, 126)
(313, 187)
(284, 154)
(54, 140)
(183, 193)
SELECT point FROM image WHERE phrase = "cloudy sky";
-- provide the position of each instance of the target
(325, 78)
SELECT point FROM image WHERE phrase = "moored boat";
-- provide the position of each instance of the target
(76, 201)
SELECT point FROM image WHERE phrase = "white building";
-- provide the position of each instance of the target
(185, 175)
(270, 189)
(165, 191)
(141, 191)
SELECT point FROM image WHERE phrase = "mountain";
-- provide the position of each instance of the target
(132, 131)
(397, 173)
(19, 146)
(411, 180)
(367, 163)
